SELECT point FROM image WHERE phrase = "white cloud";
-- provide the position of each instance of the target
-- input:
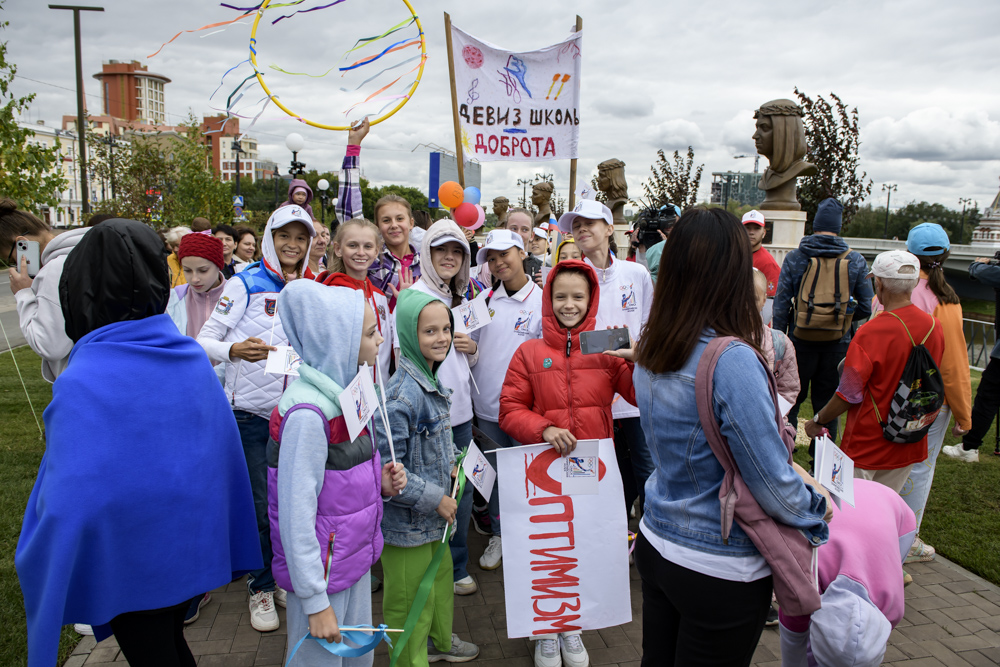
(626, 106)
(676, 134)
(936, 134)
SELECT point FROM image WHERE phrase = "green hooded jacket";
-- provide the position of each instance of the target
(408, 307)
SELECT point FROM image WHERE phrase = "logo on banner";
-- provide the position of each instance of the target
(224, 306)
(628, 297)
(270, 306)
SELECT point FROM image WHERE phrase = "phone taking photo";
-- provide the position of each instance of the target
(595, 342)
(30, 250)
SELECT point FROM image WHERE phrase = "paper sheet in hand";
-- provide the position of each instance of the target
(835, 470)
(784, 406)
(580, 467)
(282, 361)
(472, 315)
(359, 402)
(479, 471)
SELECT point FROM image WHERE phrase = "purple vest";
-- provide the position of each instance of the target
(348, 510)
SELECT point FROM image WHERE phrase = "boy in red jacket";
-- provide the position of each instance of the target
(553, 393)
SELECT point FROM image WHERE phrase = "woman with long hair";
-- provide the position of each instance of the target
(696, 585)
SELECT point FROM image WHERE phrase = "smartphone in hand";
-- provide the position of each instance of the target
(595, 342)
(29, 249)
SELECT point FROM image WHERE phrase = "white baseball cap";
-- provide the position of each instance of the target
(895, 264)
(585, 208)
(541, 233)
(754, 216)
(499, 239)
(291, 213)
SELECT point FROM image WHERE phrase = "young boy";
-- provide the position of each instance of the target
(516, 305)
(540, 246)
(555, 394)
(243, 328)
(414, 522)
(753, 223)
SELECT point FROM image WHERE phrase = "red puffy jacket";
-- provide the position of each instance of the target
(550, 382)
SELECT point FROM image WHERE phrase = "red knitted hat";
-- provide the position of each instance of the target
(201, 245)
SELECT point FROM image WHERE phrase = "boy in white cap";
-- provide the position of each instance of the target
(540, 244)
(516, 306)
(753, 223)
(872, 369)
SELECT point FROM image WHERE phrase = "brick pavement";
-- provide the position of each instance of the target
(952, 620)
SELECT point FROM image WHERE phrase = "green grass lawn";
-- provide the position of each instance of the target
(962, 518)
(21, 451)
(979, 306)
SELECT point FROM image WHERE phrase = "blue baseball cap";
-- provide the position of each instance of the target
(927, 238)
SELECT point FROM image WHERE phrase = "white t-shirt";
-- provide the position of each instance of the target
(730, 568)
(454, 371)
(626, 298)
(516, 318)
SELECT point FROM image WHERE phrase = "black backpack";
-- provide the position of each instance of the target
(918, 398)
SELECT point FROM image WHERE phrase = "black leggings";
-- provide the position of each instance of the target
(154, 638)
(691, 619)
(984, 410)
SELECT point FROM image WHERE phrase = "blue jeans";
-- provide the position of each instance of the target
(493, 432)
(462, 435)
(917, 486)
(628, 433)
(254, 434)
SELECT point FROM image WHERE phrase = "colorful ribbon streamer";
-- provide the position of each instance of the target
(204, 27)
(372, 78)
(395, 47)
(365, 642)
(223, 80)
(364, 40)
(303, 11)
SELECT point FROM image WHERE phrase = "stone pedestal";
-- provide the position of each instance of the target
(788, 229)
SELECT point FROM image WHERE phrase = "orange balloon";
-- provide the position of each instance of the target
(450, 194)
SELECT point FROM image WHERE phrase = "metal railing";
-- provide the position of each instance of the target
(980, 337)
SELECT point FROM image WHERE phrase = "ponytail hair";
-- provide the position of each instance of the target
(934, 266)
(336, 264)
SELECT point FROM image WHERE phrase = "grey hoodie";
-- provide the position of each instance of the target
(39, 309)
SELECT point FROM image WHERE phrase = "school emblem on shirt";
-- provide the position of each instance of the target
(224, 306)
(547, 363)
(628, 297)
(270, 306)
(523, 321)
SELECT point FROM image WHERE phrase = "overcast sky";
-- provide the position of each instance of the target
(656, 74)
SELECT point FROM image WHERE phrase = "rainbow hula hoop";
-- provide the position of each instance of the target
(322, 126)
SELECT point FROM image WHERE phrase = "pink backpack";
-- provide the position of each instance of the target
(787, 551)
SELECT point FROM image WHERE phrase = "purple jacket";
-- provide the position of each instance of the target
(349, 507)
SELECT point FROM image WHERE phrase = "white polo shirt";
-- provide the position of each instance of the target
(516, 318)
(626, 298)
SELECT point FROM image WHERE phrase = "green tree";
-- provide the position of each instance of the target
(833, 135)
(369, 195)
(673, 182)
(193, 187)
(29, 173)
(142, 173)
(870, 222)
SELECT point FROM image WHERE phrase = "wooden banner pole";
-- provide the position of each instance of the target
(572, 163)
(454, 101)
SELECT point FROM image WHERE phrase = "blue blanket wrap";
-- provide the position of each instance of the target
(142, 499)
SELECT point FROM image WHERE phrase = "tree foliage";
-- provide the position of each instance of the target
(29, 173)
(369, 195)
(672, 180)
(871, 222)
(140, 172)
(833, 136)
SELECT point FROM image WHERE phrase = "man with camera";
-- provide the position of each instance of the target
(984, 409)
(652, 226)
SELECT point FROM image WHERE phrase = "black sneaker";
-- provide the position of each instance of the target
(772, 617)
(481, 520)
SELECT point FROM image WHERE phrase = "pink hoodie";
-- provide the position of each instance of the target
(860, 574)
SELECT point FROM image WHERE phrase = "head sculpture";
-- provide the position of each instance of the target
(780, 136)
(500, 206)
(611, 179)
(541, 195)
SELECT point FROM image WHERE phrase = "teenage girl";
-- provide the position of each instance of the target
(398, 265)
(516, 305)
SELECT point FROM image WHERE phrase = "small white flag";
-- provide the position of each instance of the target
(580, 469)
(359, 402)
(282, 361)
(478, 471)
(835, 470)
(472, 315)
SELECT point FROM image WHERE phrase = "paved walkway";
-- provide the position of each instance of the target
(952, 620)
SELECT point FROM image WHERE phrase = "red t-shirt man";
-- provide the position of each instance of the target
(753, 222)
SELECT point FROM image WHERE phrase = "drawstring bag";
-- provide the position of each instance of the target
(789, 553)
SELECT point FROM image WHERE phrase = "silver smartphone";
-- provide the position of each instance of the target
(595, 342)
(29, 249)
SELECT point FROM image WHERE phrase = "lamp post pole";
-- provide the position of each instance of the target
(81, 127)
(887, 188)
(964, 201)
(238, 149)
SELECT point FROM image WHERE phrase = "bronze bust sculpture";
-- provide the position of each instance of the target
(611, 181)
(781, 138)
(500, 207)
(541, 194)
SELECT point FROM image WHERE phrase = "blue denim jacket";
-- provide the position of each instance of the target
(682, 496)
(417, 412)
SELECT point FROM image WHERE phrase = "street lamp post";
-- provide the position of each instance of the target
(323, 186)
(887, 188)
(81, 127)
(524, 191)
(238, 149)
(963, 201)
(294, 142)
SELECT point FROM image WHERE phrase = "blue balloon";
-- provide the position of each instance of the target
(472, 195)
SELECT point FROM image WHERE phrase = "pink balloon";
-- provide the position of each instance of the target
(465, 214)
(481, 219)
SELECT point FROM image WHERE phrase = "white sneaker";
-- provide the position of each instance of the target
(960, 453)
(547, 653)
(574, 653)
(83, 629)
(280, 596)
(466, 586)
(263, 615)
(490, 560)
